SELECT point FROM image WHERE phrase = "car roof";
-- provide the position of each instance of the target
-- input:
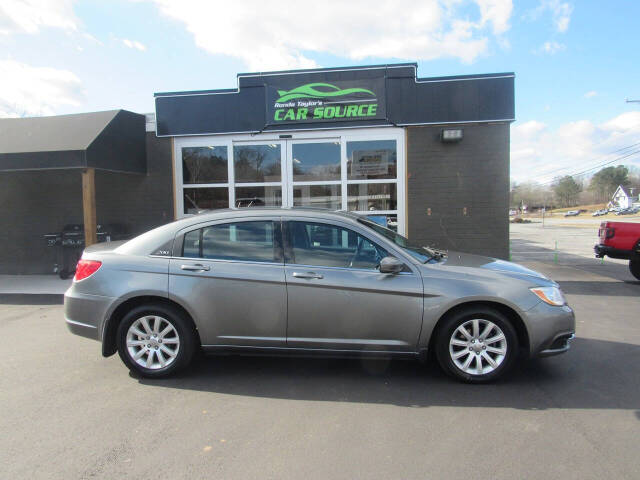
(262, 211)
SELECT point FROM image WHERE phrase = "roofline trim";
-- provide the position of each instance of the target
(307, 129)
(224, 91)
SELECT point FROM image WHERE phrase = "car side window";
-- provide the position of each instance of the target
(327, 245)
(240, 241)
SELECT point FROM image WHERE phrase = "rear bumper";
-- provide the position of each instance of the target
(602, 250)
(84, 314)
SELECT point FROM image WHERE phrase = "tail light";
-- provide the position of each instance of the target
(606, 232)
(86, 268)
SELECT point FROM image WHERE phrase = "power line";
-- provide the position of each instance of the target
(546, 174)
(596, 167)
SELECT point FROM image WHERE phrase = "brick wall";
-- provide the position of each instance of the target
(449, 177)
(33, 203)
(141, 202)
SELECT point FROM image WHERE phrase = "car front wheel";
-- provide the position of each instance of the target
(155, 340)
(477, 345)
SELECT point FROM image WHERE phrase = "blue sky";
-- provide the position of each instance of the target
(575, 62)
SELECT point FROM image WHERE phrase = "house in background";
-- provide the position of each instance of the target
(625, 198)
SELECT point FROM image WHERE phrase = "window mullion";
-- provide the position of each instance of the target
(343, 173)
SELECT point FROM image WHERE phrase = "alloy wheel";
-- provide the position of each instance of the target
(153, 342)
(478, 346)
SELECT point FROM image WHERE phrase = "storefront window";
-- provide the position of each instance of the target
(270, 196)
(257, 163)
(197, 199)
(316, 161)
(204, 165)
(387, 221)
(373, 159)
(321, 196)
(353, 170)
(372, 196)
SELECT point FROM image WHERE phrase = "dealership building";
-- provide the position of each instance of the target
(428, 157)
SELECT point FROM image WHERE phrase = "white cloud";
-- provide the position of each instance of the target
(626, 123)
(560, 13)
(265, 35)
(496, 12)
(551, 47)
(29, 16)
(590, 94)
(539, 153)
(26, 90)
(134, 44)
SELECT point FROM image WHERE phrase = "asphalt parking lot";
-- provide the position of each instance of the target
(69, 413)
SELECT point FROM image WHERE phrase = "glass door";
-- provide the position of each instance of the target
(258, 173)
(315, 173)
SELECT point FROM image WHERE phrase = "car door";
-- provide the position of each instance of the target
(337, 299)
(230, 276)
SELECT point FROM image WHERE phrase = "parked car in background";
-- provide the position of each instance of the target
(599, 213)
(620, 240)
(572, 213)
(627, 211)
(303, 281)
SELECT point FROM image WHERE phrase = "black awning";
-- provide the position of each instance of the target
(112, 140)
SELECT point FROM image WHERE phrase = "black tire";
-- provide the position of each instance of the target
(447, 329)
(185, 333)
(63, 274)
(634, 268)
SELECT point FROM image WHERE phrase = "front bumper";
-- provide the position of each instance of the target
(559, 345)
(84, 314)
(551, 329)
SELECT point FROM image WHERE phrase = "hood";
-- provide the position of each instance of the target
(459, 259)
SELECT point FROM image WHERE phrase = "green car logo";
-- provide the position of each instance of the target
(310, 90)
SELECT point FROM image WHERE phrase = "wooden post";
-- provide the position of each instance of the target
(89, 206)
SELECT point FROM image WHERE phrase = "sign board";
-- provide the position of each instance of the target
(370, 162)
(324, 97)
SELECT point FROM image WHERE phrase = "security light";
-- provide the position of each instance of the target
(451, 135)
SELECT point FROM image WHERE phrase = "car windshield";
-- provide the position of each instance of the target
(422, 254)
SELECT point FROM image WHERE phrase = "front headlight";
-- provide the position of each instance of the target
(551, 295)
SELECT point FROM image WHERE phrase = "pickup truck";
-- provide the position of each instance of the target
(620, 240)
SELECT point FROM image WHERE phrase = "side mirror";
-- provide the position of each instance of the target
(391, 265)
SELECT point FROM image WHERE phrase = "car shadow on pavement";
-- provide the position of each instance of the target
(593, 374)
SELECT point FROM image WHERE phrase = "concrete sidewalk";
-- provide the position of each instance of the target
(33, 284)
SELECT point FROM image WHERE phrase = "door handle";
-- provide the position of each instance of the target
(196, 267)
(307, 275)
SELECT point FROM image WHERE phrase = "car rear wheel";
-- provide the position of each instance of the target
(476, 345)
(155, 340)
(634, 268)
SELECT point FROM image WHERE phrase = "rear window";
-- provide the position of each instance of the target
(240, 241)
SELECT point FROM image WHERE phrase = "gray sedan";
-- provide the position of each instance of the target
(307, 281)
